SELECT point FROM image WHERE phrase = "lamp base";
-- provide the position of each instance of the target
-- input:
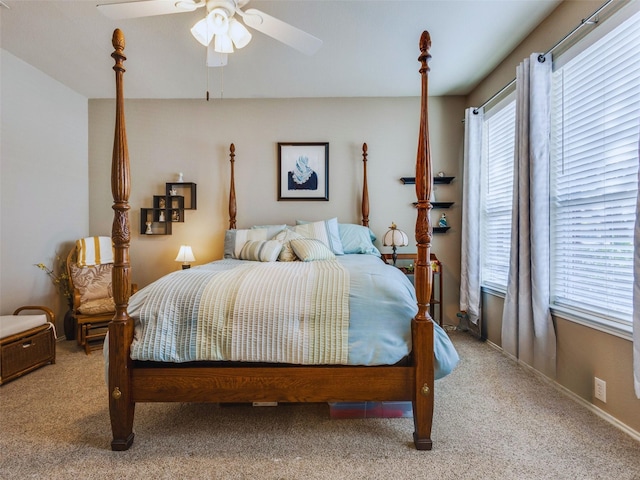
(185, 266)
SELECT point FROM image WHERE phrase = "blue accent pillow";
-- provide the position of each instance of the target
(357, 239)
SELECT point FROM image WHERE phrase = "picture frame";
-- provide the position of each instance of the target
(303, 171)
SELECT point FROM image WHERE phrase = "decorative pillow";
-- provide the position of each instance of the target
(285, 237)
(99, 305)
(260, 251)
(311, 249)
(325, 230)
(357, 239)
(234, 240)
(273, 230)
(94, 251)
(93, 283)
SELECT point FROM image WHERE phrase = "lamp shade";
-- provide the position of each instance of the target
(395, 237)
(202, 33)
(238, 33)
(215, 23)
(185, 255)
(222, 43)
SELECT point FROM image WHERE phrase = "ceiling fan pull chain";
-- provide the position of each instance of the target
(207, 69)
(221, 82)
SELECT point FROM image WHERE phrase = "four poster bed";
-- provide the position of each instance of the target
(349, 372)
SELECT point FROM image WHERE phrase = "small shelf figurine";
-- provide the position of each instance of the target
(443, 221)
(149, 231)
(161, 219)
(173, 192)
(180, 177)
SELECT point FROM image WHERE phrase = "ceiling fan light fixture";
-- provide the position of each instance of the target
(222, 44)
(201, 32)
(218, 21)
(239, 34)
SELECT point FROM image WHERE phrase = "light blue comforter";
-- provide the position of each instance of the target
(382, 303)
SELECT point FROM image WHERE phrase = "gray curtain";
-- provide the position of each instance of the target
(527, 327)
(470, 252)
(636, 295)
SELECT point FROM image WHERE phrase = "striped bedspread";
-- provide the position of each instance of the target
(287, 312)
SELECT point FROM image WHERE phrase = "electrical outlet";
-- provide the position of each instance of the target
(600, 389)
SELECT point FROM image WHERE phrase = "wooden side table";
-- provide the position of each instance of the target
(436, 283)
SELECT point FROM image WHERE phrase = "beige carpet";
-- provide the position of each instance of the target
(493, 420)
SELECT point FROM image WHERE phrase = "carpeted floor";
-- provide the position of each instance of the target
(493, 420)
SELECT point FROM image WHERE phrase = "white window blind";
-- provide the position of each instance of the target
(594, 175)
(496, 192)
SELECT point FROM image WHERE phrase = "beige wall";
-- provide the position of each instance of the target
(44, 188)
(582, 352)
(193, 136)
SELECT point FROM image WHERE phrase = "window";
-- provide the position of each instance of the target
(594, 166)
(496, 194)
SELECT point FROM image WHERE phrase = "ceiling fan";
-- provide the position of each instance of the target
(219, 30)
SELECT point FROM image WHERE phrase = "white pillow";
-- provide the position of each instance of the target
(285, 237)
(325, 230)
(273, 230)
(234, 240)
(259, 251)
(311, 249)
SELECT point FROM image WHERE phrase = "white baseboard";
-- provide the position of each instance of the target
(576, 398)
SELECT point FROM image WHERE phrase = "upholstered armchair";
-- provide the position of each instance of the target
(89, 266)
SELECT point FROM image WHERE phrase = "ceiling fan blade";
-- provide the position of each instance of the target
(215, 59)
(146, 8)
(281, 31)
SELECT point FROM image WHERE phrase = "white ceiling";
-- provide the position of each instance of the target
(370, 48)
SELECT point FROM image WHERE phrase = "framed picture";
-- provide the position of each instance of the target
(303, 171)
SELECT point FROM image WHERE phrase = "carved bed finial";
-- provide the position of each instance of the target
(233, 209)
(117, 40)
(424, 184)
(365, 188)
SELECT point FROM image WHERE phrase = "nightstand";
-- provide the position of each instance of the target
(436, 279)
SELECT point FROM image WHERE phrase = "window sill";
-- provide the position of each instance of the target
(611, 327)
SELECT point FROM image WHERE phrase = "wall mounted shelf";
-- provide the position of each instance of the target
(168, 209)
(440, 229)
(437, 204)
(440, 180)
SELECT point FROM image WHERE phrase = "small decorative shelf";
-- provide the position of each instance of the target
(412, 180)
(442, 180)
(168, 209)
(437, 204)
(440, 229)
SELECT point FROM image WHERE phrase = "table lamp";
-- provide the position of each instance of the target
(185, 255)
(395, 238)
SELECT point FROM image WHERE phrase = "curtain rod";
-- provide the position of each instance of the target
(585, 21)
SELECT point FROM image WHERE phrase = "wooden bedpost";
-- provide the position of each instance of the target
(422, 325)
(365, 188)
(121, 407)
(233, 209)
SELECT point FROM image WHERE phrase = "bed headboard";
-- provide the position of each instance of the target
(233, 208)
